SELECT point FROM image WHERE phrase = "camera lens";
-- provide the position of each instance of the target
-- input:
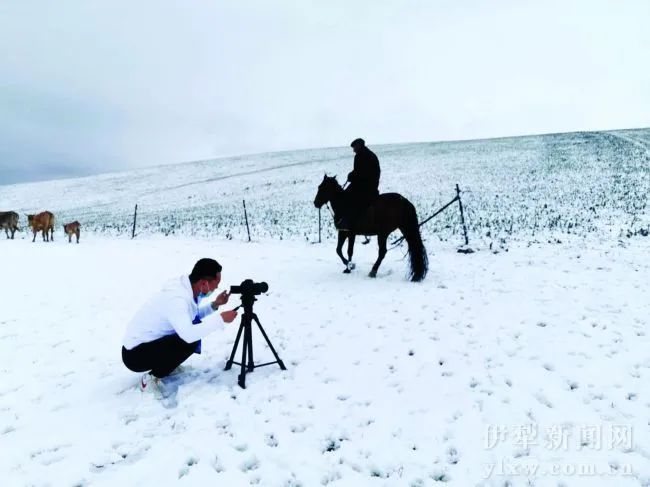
(250, 288)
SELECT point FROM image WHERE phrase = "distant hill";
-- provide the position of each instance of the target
(522, 187)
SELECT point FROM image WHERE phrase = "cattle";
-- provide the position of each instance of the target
(43, 222)
(9, 221)
(71, 229)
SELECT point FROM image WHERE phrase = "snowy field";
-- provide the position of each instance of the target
(523, 364)
(496, 365)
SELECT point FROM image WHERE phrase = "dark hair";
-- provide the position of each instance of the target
(205, 269)
(360, 142)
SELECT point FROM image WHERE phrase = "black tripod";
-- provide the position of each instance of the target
(247, 364)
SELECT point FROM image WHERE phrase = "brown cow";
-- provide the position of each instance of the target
(43, 222)
(71, 229)
(9, 221)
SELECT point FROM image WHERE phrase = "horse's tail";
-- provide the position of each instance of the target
(419, 262)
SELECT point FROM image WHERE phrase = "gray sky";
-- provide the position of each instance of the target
(89, 86)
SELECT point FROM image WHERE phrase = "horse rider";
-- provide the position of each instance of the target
(364, 184)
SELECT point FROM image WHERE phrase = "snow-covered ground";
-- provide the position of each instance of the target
(388, 382)
(525, 363)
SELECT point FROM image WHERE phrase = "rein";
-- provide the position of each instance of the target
(328, 204)
(331, 211)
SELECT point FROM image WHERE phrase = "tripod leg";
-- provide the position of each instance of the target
(234, 347)
(242, 375)
(279, 360)
(249, 339)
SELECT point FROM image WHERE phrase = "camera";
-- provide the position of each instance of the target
(250, 288)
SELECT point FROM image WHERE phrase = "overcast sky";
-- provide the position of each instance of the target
(89, 86)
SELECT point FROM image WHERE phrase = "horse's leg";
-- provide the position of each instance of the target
(339, 247)
(34, 232)
(351, 238)
(381, 241)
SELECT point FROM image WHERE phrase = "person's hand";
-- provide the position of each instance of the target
(229, 316)
(221, 299)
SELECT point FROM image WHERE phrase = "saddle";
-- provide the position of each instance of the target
(356, 213)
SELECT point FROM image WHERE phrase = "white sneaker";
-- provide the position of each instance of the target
(150, 383)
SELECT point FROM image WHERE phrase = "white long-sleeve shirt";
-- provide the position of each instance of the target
(170, 311)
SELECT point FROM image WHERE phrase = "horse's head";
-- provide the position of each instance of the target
(326, 190)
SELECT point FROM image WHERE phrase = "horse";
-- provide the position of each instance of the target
(9, 221)
(387, 213)
(44, 222)
(71, 229)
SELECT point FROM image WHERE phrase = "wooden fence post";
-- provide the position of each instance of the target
(135, 217)
(462, 216)
(248, 230)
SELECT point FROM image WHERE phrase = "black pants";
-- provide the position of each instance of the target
(160, 356)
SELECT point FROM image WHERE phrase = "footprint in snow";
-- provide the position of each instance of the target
(543, 400)
(217, 465)
(271, 440)
(241, 447)
(250, 464)
(186, 468)
(452, 456)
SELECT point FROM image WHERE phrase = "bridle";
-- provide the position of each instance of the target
(328, 205)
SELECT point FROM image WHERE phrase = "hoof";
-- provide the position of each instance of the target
(372, 274)
(347, 271)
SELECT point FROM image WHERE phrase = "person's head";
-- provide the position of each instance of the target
(205, 276)
(357, 145)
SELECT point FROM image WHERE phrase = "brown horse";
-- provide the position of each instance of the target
(389, 212)
(71, 229)
(44, 222)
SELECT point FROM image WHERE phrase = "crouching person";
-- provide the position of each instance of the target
(168, 329)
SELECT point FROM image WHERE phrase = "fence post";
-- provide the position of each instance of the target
(462, 216)
(135, 217)
(319, 226)
(248, 230)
